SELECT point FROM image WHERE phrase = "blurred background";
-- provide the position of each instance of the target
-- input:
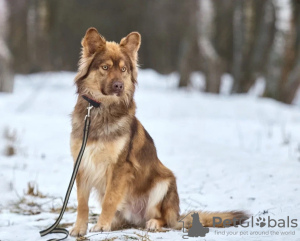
(204, 66)
(253, 40)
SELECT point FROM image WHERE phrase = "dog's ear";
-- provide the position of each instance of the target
(132, 44)
(92, 42)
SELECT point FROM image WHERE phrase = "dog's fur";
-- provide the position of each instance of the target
(120, 160)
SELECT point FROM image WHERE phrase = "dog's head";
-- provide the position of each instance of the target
(108, 70)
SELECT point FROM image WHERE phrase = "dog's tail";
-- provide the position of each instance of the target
(213, 219)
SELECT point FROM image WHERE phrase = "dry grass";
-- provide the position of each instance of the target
(33, 190)
(68, 209)
(143, 237)
(10, 150)
(127, 237)
(26, 207)
(110, 239)
(31, 203)
(83, 238)
(11, 138)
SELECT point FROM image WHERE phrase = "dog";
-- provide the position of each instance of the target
(120, 160)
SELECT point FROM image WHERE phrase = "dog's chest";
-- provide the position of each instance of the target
(97, 158)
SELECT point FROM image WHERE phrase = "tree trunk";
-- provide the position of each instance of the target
(223, 31)
(184, 63)
(188, 47)
(282, 79)
(6, 73)
(290, 81)
(213, 68)
(254, 33)
(238, 42)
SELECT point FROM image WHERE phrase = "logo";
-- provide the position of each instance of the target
(261, 222)
(267, 225)
(196, 229)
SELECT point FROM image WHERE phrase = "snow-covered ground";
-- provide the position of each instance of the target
(228, 152)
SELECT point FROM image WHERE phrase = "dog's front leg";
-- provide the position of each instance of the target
(83, 193)
(117, 186)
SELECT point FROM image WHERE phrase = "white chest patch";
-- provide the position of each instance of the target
(97, 157)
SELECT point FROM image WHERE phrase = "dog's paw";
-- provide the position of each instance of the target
(153, 225)
(78, 230)
(101, 228)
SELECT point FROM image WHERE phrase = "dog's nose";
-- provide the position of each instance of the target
(117, 86)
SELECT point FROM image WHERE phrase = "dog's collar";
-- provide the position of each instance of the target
(93, 102)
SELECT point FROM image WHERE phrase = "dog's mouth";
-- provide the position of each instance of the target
(117, 94)
(112, 93)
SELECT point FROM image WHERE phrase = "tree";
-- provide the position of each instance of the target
(6, 74)
(213, 66)
(254, 28)
(189, 56)
(283, 79)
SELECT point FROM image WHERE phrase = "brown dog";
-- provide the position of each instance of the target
(120, 160)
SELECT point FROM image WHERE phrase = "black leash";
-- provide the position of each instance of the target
(53, 228)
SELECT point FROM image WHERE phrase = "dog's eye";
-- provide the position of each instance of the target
(123, 69)
(105, 67)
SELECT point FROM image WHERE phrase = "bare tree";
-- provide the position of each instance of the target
(254, 28)
(214, 36)
(282, 76)
(290, 78)
(6, 74)
(213, 66)
(189, 54)
(222, 36)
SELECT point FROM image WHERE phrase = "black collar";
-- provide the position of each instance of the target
(93, 102)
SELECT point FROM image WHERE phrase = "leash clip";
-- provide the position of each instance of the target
(88, 115)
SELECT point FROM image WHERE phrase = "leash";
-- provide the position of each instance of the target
(53, 228)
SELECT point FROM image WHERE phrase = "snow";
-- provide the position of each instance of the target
(236, 152)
